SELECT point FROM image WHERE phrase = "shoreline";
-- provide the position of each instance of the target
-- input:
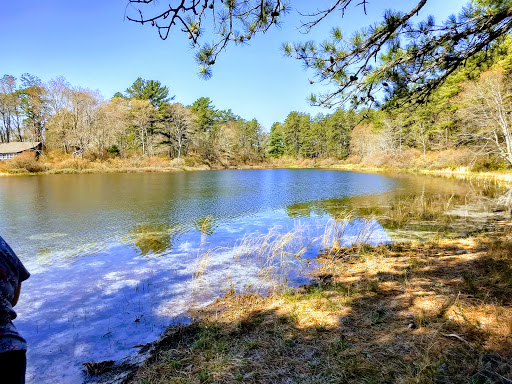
(236, 326)
(392, 313)
(462, 173)
(403, 312)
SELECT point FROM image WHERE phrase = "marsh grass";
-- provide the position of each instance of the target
(430, 312)
(422, 208)
(335, 230)
(279, 253)
(276, 252)
(58, 162)
(202, 261)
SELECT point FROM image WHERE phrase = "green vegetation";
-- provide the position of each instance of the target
(77, 126)
(465, 125)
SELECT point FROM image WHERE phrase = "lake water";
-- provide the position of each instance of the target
(116, 258)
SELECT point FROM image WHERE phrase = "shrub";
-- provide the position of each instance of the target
(177, 163)
(307, 163)
(490, 163)
(453, 158)
(155, 162)
(24, 162)
(114, 150)
(73, 163)
(381, 160)
(352, 159)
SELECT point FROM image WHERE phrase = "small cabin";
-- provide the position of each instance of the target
(9, 150)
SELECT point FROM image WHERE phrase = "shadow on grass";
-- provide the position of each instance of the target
(390, 314)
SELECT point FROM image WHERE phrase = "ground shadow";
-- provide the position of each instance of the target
(391, 314)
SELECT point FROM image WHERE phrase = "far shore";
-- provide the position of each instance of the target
(163, 165)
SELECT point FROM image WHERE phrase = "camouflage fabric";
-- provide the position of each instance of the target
(12, 272)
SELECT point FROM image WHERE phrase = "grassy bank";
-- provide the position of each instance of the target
(445, 163)
(54, 162)
(457, 162)
(426, 313)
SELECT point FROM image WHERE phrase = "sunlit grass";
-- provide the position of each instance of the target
(399, 313)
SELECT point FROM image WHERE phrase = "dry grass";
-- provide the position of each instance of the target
(25, 162)
(277, 252)
(56, 162)
(455, 160)
(202, 261)
(427, 313)
(459, 162)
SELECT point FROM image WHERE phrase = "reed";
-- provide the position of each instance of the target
(277, 252)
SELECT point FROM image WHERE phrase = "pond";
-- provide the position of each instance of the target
(116, 258)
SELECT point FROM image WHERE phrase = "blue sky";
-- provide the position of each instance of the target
(93, 46)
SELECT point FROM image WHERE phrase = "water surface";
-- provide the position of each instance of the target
(116, 258)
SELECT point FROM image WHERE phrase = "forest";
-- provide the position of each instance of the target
(465, 122)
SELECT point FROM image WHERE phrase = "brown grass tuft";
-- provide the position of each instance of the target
(25, 162)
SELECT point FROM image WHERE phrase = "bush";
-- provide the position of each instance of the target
(73, 163)
(155, 162)
(306, 163)
(392, 159)
(381, 160)
(177, 163)
(490, 163)
(24, 162)
(352, 159)
(114, 150)
(453, 158)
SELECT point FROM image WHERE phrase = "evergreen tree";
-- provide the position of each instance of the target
(308, 139)
(276, 141)
(207, 123)
(206, 113)
(410, 57)
(151, 90)
(291, 132)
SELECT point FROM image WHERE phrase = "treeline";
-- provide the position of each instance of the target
(467, 122)
(141, 121)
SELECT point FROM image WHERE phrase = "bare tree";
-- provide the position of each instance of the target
(177, 126)
(366, 140)
(485, 108)
(84, 105)
(113, 122)
(10, 110)
(142, 118)
(228, 142)
(73, 123)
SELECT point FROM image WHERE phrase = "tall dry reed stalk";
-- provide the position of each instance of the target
(334, 231)
(279, 253)
(204, 255)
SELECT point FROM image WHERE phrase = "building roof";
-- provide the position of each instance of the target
(16, 146)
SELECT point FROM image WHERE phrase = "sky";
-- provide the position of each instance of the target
(92, 45)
